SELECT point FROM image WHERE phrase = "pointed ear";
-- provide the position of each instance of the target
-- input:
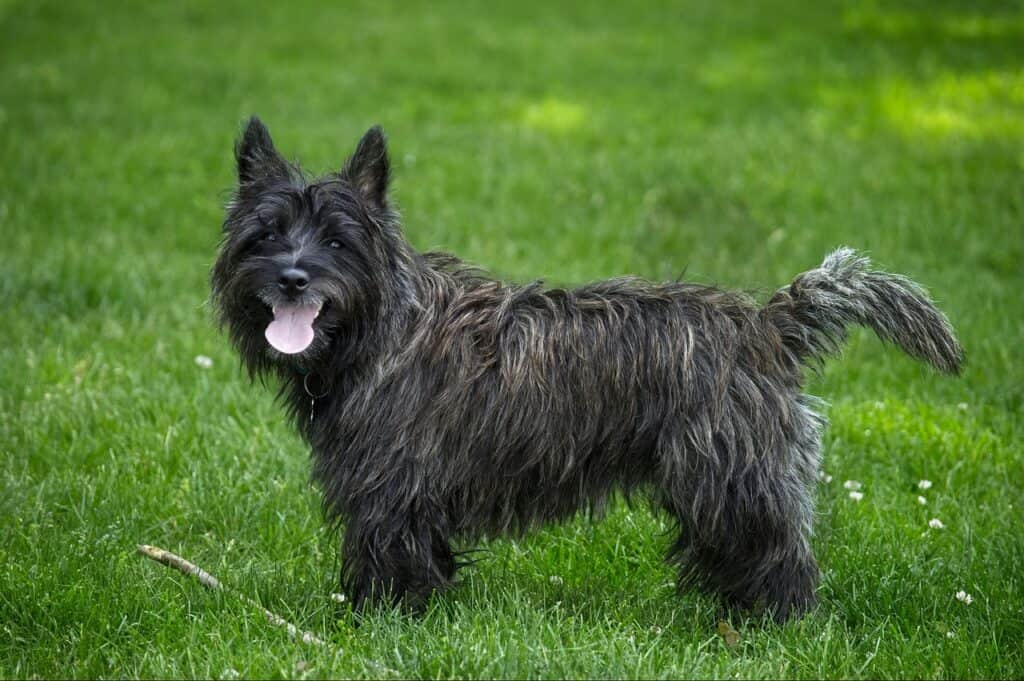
(256, 156)
(369, 168)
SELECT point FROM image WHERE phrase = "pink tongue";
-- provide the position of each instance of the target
(292, 328)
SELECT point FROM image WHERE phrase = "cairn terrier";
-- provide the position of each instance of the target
(443, 405)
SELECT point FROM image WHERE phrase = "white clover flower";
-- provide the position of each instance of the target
(962, 406)
(851, 484)
(556, 580)
(921, 500)
(950, 634)
(203, 362)
(924, 484)
(935, 524)
(827, 478)
(856, 496)
(338, 598)
(964, 597)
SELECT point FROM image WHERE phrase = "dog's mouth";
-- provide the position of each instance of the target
(291, 330)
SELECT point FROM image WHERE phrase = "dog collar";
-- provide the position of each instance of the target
(314, 395)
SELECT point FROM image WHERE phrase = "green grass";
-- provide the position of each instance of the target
(738, 142)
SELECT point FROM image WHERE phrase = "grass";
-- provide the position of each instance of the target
(737, 143)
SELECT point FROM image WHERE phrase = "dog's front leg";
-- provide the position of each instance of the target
(396, 553)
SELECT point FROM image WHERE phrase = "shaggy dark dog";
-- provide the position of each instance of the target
(443, 405)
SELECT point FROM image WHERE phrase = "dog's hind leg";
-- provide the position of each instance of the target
(745, 527)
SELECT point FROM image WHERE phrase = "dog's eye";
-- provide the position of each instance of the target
(334, 243)
(269, 220)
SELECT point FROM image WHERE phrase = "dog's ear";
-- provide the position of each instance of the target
(256, 156)
(369, 168)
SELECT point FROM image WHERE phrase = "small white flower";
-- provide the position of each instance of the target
(964, 597)
(922, 500)
(338, 598)
(827, 478)
(935, 524)
(556, 580)
(230, 674)
(856, 496)
(924, 484)
(203, 362)
(962, 406)
(851, 484)
(950, 634)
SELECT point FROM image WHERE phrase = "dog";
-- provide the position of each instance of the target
(442, 405)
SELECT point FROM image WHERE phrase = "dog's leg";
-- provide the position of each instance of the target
(397, 557)
(772, 566)
(745, 529)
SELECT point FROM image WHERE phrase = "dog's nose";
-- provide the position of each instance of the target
(293, 280)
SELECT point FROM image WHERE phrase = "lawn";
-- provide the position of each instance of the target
(733, 142)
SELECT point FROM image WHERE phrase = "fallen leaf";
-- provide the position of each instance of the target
(730, 636)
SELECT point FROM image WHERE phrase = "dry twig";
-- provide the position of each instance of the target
(211, 582)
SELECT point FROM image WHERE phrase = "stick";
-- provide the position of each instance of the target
(211, 582)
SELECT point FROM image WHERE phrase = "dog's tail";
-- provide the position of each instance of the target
(813, 312)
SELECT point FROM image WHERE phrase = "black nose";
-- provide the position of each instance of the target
(293, 280)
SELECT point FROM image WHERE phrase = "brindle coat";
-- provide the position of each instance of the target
(450, 405)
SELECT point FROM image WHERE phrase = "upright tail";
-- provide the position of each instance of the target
(813, 312)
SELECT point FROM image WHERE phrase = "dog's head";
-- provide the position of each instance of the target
(300, 262)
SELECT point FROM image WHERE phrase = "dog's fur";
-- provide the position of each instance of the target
(443, 405)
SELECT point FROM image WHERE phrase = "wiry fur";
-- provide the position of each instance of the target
(450, 405)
